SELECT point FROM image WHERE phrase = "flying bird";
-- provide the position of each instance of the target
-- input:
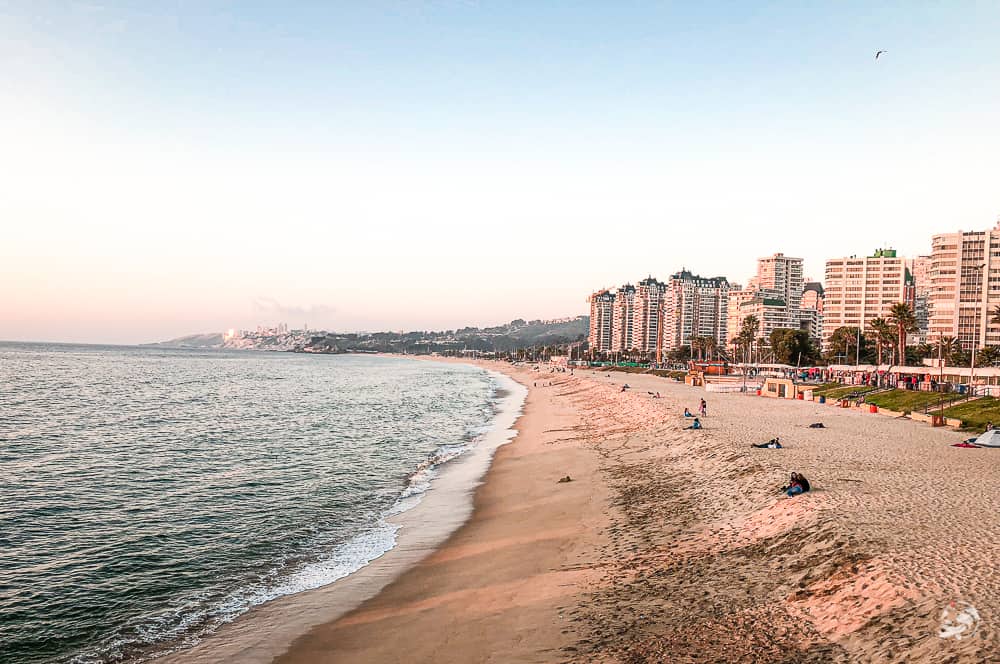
(878, 53)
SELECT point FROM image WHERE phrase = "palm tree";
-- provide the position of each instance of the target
(696, 346)
(988, 356)
(882, 333)
(902, 317)
(747, 333)
(710, 345)
(995, 318)
(947, 347)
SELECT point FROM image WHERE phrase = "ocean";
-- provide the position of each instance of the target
(148, 496)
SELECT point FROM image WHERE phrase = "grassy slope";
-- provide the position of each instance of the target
(975, 414)
(835, 391)
(907, 400)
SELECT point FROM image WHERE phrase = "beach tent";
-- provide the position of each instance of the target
(989, 438)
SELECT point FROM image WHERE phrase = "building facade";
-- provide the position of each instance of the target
(694, 306)
(860, 289)
(601, 318)
(964, 277)
(811, 312)
(647, 316)
(921, 295)
(773, 296)
(623, 318)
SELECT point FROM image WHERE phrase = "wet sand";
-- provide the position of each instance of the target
(676, 546)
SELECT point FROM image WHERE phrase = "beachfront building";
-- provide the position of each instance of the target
(694, 306)
(811, 312)
(964, 279)
(601, 315)
(734, 315)
(623, 316)
(773, 296)
(860, 289)
(647, 314)
(779, 277)
(921, 295)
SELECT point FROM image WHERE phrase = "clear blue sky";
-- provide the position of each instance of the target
(191, 166)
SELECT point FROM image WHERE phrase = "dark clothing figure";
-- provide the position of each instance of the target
(798, 484)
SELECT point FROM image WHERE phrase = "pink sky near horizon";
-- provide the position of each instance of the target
(175, 170)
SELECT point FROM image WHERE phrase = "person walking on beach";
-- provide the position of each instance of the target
(703, 408)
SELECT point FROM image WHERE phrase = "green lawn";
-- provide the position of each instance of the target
(822, 389)
(841, 391)
(976, 413)
(908, 400)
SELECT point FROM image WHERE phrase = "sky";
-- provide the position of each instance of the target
(169, 168)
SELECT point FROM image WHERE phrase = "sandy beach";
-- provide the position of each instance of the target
(676, 545)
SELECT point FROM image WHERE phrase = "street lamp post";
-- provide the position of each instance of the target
(975, 330)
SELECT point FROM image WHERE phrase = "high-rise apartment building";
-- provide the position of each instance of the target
(694, 306)
(774, 296)
(780, 277)
(860, 289)
(811, 312)
(734, 313)
(601, 317)
(964, 277)
(623, 319)
(921, 294)
(647, 314)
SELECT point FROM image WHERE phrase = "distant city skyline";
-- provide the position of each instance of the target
(180, 169)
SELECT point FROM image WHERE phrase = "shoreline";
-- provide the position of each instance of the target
(676, 545)
(266, 630)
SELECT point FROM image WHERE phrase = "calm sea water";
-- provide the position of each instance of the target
(147, 495)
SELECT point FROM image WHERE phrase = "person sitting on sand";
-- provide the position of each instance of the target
(817, 425)
(773, 444)
(798, 484)
(687, 413)
(694, 425)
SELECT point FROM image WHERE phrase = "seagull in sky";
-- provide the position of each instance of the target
(878, 53)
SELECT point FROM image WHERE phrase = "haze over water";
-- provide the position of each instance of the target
(150, 495)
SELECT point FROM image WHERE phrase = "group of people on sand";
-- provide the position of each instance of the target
(702, 409)
(702, 412)
(798, 484)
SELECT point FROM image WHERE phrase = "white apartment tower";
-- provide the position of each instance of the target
(601, 311)
(964, 280)
(774, 297)
(622, 319)
(694, 306)
(647, 314)
(860, 289)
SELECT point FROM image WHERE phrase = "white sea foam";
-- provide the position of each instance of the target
(186, 626)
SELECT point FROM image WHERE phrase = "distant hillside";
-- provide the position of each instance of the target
(515, 334)
(210, 340)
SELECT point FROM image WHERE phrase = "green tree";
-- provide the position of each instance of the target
(987, 356)
(748, 332)
(882, 333)
(901, 316)
(792, 346)
(710, 345)
(844, 342)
